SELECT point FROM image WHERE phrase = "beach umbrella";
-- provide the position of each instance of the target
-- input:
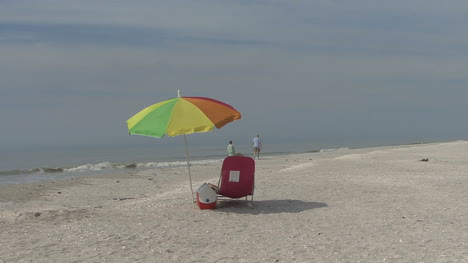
(182, 116)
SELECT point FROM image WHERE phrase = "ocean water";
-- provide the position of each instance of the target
(22, 166)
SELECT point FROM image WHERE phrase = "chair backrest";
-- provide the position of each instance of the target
(237, 177)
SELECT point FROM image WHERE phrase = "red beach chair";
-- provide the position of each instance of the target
(237, 178)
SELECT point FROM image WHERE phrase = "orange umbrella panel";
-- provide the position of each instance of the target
(218, 112)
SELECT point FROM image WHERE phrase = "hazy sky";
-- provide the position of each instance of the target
(366, 71)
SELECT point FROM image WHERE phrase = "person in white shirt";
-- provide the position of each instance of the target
(257, 145)
(231, 151)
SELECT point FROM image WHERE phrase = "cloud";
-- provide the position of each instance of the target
(73, 72)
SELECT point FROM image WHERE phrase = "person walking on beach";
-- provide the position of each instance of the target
(231, 151)
(257, 145)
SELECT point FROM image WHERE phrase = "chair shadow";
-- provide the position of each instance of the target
(267, 206)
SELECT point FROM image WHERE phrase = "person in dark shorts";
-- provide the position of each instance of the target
(257, 146)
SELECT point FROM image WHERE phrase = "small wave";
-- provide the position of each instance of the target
(332, 150)
(327, 150)
(102, 167)
(33, 171)
(178, 163)
(90, 167)
(313, 151)
(47, 170)
(160, 164)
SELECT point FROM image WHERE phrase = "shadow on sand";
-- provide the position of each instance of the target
(267, 206)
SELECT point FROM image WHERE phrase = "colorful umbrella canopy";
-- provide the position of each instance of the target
(182, 115)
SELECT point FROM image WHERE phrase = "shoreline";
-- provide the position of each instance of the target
(348, 205)
(55, 173)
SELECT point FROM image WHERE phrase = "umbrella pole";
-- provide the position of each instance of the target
(188, 166)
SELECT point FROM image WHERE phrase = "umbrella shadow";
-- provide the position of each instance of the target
(267, 206)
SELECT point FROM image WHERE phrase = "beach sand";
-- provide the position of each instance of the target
(350, 205)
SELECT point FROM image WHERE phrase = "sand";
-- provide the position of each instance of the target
(350, 205)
